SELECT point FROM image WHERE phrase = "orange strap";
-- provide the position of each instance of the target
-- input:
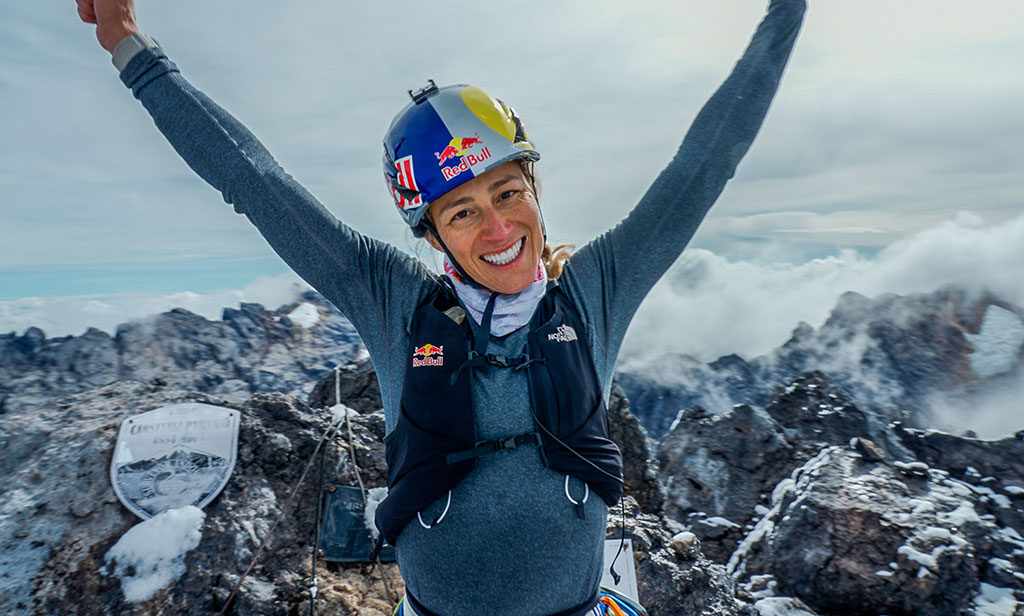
(613, 607)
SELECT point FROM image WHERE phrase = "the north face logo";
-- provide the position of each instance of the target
(565, 333)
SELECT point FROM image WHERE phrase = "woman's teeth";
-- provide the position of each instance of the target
(504, 257)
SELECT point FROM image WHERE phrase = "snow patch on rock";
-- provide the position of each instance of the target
(340, 412)
(994, 601)
(963, 514)
(374, 497)
(997, 345)
(780, 606)
(721, 522)
(305, 315)
(151, 555)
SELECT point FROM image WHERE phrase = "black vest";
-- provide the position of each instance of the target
(434, 444)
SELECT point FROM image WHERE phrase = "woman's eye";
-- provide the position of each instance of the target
(508, 194)
(460, 215)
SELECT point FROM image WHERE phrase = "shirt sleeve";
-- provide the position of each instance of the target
(373, 283)
(612, 274)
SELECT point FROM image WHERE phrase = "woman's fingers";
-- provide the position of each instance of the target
(86, 11)
(114, 19)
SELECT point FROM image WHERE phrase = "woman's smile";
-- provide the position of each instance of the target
(507, 256)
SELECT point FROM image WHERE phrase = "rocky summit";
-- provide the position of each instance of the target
(807, 500)
(890, 352)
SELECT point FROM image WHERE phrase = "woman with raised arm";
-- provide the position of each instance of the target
(494, 375)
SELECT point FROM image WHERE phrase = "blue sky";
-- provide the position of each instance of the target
(891, 119)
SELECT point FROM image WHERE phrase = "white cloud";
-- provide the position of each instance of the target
(710, 306)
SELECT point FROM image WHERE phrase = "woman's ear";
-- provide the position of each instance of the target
(431, 231)
(432, 240)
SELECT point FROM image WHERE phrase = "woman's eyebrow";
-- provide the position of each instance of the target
(496, 185)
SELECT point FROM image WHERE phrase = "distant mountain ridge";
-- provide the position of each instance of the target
(892, 351)
(250, 350)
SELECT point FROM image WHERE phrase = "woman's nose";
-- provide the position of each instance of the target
(496, 225)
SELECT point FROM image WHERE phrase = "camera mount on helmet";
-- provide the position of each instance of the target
(423, 92)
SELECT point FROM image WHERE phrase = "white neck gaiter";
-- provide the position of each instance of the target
(510, 311)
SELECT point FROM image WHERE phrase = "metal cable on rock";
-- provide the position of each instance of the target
(348, 425)
(313, 588)
(359, 478)
(259, 552)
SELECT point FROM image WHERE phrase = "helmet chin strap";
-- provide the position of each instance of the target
(528, 172)
(455, 263)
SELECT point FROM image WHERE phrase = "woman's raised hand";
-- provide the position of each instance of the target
(114, 19)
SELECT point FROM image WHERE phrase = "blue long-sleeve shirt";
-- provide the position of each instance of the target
(511, 540)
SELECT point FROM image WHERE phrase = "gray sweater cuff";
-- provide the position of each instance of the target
(128, 47)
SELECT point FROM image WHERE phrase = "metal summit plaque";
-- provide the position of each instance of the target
(174, 456)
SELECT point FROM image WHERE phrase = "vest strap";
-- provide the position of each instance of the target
(489, 447)
(500, 361)
(484, 333)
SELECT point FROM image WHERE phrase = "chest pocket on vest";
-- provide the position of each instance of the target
(567, 400)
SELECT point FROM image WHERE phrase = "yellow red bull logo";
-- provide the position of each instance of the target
(459, 147)
(428, 355)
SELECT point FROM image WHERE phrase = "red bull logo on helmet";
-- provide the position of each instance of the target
(467, 161)
(428, 355)
(457, 147)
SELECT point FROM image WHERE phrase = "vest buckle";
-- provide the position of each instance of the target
(488, 447)
(498, 360)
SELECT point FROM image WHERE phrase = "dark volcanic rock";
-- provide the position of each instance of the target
(849, 536)
(994, 470)
(357, 385)
(718, 466)
(60, 515)
(813, 413)
(717, 469)
(668, 582)
(639, 469)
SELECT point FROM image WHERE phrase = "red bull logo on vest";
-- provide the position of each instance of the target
(428, 355)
